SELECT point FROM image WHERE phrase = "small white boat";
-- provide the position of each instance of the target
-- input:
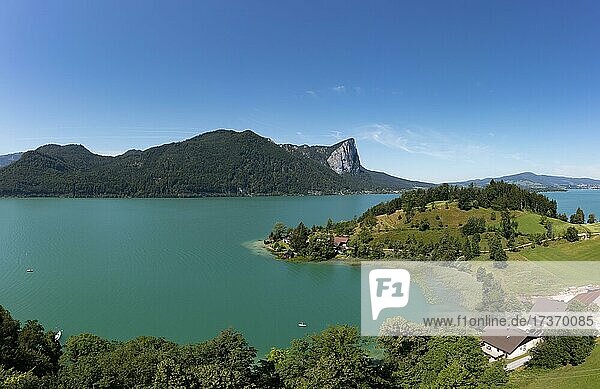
(30, 270)
(302, 324)
(58, 335)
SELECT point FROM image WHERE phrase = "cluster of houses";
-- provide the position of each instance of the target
(518, 341)
(340, 245)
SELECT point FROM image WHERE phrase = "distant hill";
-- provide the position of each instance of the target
(216, 163)
(538, 182)
(6, 160)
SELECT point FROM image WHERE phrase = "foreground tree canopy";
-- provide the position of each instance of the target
(338, 357)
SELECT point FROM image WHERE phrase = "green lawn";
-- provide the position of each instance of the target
(584, 376)
(585, 250)
(450, 218)
(529, 223)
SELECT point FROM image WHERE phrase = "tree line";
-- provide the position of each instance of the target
(496, 195)
(337, 357)
(334, 358)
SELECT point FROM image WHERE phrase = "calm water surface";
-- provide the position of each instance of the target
(180, 269)
(587, 199)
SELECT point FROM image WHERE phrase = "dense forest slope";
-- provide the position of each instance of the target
(221, 162)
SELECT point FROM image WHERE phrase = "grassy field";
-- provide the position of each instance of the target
(591, 227)
(584, 376)
(585, 250)
(448, 217)
(529, 223)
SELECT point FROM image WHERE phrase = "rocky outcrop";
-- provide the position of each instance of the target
(344, 158)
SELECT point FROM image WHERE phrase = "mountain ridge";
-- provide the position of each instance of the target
(538, 182)
(216, 163)
(343, 158)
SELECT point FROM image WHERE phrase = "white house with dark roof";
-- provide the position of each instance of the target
(518, 341)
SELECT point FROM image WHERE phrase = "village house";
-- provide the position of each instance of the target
(513, 345)
(518, 341)
(340, 243)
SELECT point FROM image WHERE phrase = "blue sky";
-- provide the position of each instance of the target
(436, 91)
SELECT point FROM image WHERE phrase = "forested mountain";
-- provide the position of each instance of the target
(7, 159)
(538, 182)
(221, 162)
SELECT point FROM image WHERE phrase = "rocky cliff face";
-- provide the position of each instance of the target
(344, 158)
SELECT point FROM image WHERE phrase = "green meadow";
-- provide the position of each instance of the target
(584, 250)
(584, 376)
(447, 218)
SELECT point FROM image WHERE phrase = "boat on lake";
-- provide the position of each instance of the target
(302, 324)
(58, 335)
(30, 270)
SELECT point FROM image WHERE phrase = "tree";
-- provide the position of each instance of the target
(334, 358)
(439, 362)
(497, 253)
(474, 225)
(557, 351)
(508, 226)
(571, 234)
(15, 380)
(369, 221)
(320, 246)
(329, 225)
(223, 362)
(170, 374)
(447, 249)
(38, 350)
(360, 243)
(226, 361)
(299, 238)
(591, 218)
(475, 245)
(9, 335)
(278, 232)
(80, 362)
(578, 217)
(467, 250)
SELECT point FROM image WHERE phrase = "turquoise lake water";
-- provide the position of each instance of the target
(182, 269)
(587, 199)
